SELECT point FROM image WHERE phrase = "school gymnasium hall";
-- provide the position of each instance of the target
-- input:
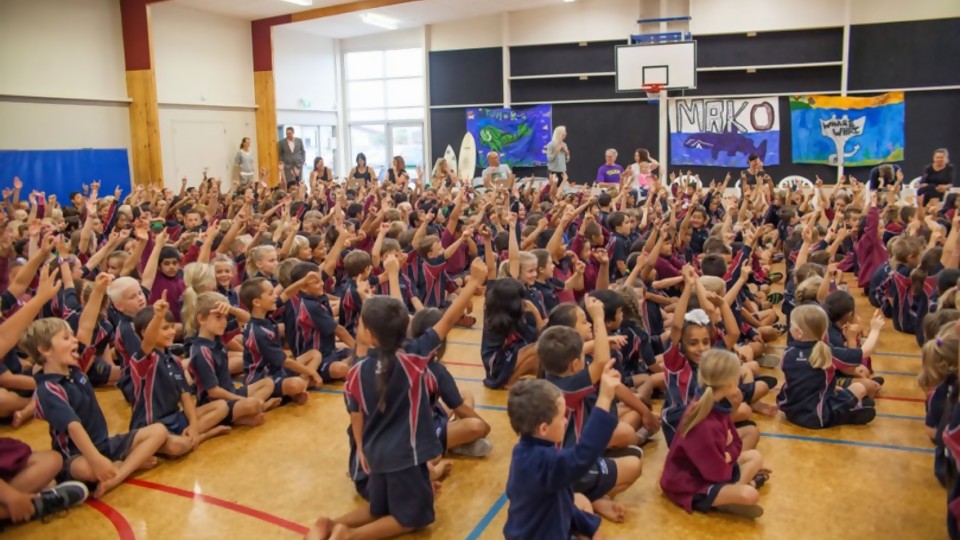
(139, 94)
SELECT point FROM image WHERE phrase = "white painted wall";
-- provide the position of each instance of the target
(585, 20)
(193, 139)
(881, 11)
(473, 33)
(63, 125)
(204, 70)
(397, 39)
(62, 48)
(304, 70)
(201, 58)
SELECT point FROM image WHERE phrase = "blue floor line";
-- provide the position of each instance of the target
(848, 443)
(875, 353)
(490, 407)
(467, 343)
(488, 517)
(896, 373)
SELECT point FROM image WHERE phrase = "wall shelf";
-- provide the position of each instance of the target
(770, 66)
(563, 76)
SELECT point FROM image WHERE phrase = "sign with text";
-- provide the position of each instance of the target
(722, 132)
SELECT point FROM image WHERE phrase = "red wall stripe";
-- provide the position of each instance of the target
(120, 523)
(136, 34)
(262, 45)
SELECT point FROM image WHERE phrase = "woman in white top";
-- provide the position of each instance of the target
(558, 153)
(244, 161)
(643, 169)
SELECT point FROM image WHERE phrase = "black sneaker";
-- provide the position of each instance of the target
(59, 499)
(878, 380)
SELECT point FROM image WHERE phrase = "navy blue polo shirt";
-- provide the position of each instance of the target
(446, 386)
(401, 435)
(580, 396)
(350, 305)
(263, 356)
(158, 384)
(65, 399)
(309, 324)
(209, 368)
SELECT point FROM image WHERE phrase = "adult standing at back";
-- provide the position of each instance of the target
(558, 153)
(753, 175)
(610, 171)
(496, 173)
(642, 169)
(292, 156)
(244, 162)
(937, 177)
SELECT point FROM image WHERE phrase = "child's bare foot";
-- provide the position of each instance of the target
(340, 532)
(271, 404)
(320, 530)
(441, 469)
(18, 419)
(610, 510)
(214, 432)
(766, 409)
(301, 398)
(150, 463)
(437, 488)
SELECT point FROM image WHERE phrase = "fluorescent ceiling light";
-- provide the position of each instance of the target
(299, 2)
(379, 20)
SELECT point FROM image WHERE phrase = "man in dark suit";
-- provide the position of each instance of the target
(292, 157)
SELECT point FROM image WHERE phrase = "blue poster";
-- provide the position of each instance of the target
(722, 132)
(851, 131)
(61, 172)
(520, 136)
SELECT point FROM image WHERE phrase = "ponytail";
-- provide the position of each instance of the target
(939, 358)
(917, 278)
(698, 411)
(822, 356)
(188, 313)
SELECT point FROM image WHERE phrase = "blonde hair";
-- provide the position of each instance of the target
(119, 286)
(40, 334)
(257, 254)
(199, 278)
(718, 368)
(948, 299)
(298, 243)
(527, 258)
(714, 284)
(205, 303)
(812, 321)
(807, 290)
(556, 133)
(939, 357)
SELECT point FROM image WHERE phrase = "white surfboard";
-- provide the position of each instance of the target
(451, 158)
(468, 158)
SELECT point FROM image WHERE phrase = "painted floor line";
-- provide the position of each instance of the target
(875, 353)
(119, 522)
(222, 503)
(488, 517)
(895, 373)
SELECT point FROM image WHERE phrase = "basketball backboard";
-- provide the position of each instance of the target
(673, 66)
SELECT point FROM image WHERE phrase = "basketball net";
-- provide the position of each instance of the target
(653, 92)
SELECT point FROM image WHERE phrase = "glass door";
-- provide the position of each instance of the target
(406, 141)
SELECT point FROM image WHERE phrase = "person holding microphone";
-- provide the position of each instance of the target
(558, 153)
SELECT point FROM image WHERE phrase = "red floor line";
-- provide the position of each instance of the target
(899, 398)
(120, 523)
(465, 364)
(232, 506)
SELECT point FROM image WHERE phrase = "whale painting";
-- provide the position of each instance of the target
(849, 131)
(518, 135)
(724, 132)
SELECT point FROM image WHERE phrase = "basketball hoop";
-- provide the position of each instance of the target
(653, 92)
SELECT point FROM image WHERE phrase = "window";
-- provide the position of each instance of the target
(385, 106)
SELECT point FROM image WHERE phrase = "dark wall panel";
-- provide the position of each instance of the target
(564, 58)
(905, 54)
(466, 77)
(447, 126)
(793, 47)
(569, 88)
(774, 81)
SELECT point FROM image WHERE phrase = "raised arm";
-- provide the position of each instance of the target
(91, 311)
(150, 269)
(478, 276)
(16, 325)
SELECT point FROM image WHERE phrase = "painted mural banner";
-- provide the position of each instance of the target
(851, 131)
(520, 136)
(722, 132)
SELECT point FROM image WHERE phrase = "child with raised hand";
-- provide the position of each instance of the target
(938, 378)
(507, 345)
(706, 466)
(386, 394)
(65, 399)
(209, 365)
(161, 393)
(263, 354)
(811, 397)
(540, 484)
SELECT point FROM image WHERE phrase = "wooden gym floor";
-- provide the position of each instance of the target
(273, 481)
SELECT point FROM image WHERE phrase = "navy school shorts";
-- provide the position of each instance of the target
(117, 448)
(406, 495)
(703, 502)
(599, 480)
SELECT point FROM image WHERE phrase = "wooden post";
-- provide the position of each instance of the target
(142, 90)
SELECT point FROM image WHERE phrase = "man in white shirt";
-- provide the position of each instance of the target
(496, 174)
(292, 156)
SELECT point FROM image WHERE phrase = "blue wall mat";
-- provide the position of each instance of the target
(63, 171)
